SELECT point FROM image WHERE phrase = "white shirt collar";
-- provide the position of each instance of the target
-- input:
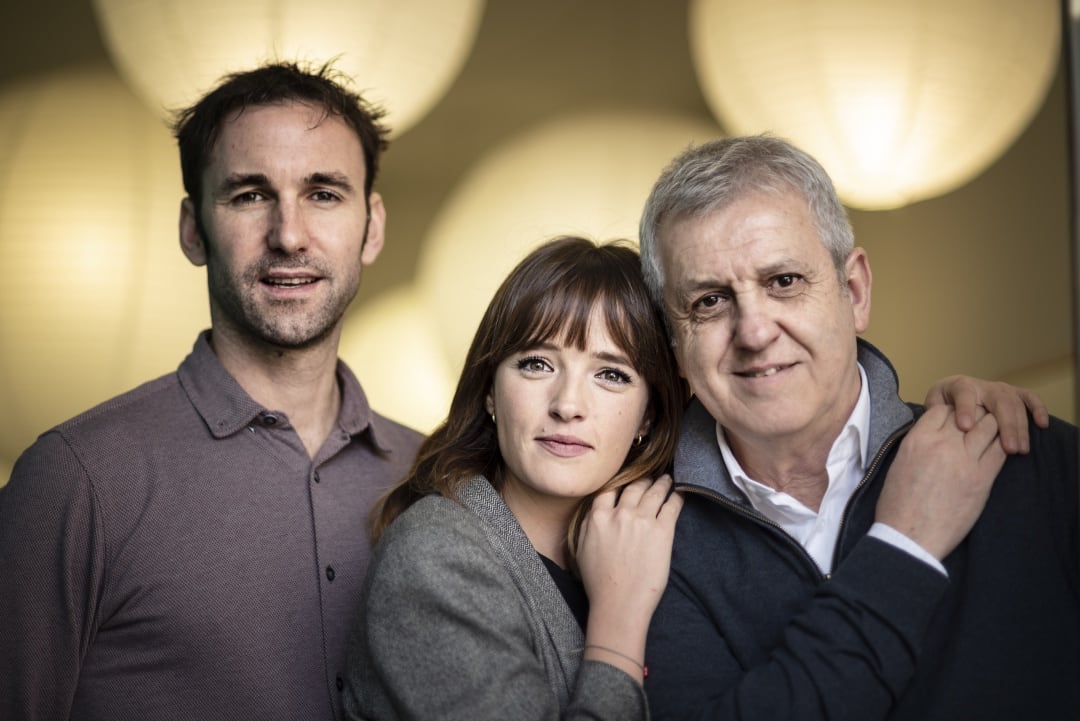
(845, 467)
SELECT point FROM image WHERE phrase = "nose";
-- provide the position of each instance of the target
(755, 325)
(568, 398)
(287, 232)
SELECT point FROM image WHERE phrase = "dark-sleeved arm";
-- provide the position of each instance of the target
(51, 571)
(445, 634)
(847, 655)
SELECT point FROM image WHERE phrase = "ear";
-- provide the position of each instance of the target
(646, 424)
(489, 403)
(191, 240)
(859, 280)
(376, 230)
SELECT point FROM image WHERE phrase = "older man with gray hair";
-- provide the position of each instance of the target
(804, 583)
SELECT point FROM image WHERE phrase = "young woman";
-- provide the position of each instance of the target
(567, 406)
(471, 609)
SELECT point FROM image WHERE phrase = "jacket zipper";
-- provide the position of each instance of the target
(754, 516)
(870, 470)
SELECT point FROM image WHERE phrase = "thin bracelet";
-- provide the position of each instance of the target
(631, 659)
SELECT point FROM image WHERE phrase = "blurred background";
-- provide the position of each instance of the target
(943, 122)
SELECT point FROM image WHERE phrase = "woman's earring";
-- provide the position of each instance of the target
(639, 440)
(493, 417)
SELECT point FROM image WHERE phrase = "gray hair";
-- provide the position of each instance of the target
(709, 177)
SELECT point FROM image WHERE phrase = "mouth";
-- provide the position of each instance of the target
(288, 281)
(763, 371)
(564, 446)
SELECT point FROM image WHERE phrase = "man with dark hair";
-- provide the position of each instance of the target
(194, 548)
(841, 554)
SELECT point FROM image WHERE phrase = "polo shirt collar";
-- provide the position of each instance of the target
(226, 408)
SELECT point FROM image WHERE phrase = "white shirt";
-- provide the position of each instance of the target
(845, 466)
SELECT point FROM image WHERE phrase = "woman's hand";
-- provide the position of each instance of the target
(972, 397)
(624, 555)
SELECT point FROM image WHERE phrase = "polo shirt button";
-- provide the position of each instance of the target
(340, 683)
(330, 573)
(316, 476)
(270, 419)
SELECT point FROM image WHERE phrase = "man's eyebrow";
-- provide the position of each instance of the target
(236, 181)
(241, 180)
(697, 285)
(784, 265)
(335, 180)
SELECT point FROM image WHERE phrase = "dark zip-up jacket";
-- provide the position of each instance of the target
(749, 628)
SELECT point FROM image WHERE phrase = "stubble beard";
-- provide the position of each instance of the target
(282, 324)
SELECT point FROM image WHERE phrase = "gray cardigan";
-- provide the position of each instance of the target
(459, 619)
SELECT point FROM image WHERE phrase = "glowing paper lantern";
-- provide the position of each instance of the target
(391, 345)
(900, 101)
(587, 174)
(403, 53)
(97, 296)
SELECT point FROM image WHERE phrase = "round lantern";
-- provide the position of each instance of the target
(900, 101)
(97, 295)
(403, 54)
(391, 344)
(586, 174)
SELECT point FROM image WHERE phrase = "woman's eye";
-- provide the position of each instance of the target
(614, 375)
(533, 365)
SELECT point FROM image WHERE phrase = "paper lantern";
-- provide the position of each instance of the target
(97, 296)
(900, 101)
(588, 174)
(403, 53)
(391, 345)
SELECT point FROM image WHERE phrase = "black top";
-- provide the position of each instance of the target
(571, 588)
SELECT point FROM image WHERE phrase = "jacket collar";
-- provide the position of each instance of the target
(529, 573)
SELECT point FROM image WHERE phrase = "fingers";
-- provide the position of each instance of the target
(633, 492)
(643, 496)
(937, 418)
(983, 436)
(669, 512)
(1008, 403)
(965, 399)
(1034, 403)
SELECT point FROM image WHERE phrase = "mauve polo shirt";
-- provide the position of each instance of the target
(174, 553)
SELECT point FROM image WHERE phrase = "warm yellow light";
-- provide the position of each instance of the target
(391, 344)
(900, 101)
(587, 174)
(97, 296)
(403, 53)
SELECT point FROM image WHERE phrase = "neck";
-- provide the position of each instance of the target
(302, 383)
(545, 520)
(801, 474)
(796, 463)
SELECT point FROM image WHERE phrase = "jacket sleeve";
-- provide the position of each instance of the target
(444, 634)
(51, 576)
(847, 655)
